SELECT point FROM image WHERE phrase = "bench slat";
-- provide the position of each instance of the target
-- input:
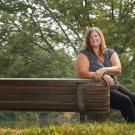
(52, 90)
(47, 82)
(56, 98)
(19, 105)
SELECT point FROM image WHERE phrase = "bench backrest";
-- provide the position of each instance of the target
(54, 94)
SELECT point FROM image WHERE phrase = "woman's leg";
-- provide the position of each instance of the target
(125, 91)
(123, 103)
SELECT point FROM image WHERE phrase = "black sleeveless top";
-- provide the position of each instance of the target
(95, 64)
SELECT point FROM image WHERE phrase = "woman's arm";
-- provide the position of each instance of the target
(82, 67)
(116, 65)
(114, 69)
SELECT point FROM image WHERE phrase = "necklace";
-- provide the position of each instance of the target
(100, 59)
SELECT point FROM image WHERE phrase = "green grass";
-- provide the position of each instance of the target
(93, 128)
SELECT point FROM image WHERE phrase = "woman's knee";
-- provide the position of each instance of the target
(127, 102)
(119, 100)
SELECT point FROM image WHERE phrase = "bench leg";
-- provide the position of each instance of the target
(96, 116)
(82, 117)
(42, 119)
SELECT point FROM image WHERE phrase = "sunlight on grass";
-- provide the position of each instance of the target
(93, 128)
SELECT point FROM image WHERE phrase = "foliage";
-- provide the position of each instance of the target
(128, 66)
(18, 116)
(76, 129)
(31, 28)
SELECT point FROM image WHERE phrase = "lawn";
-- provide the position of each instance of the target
(93, 128)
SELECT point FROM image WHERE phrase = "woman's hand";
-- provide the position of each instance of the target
(100, 72)
(95, 76)
(108, 79)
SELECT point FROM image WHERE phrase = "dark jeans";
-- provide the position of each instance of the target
(124, 100)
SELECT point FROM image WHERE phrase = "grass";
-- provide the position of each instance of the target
(93, 128)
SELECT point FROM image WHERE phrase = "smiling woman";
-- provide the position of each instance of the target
(97, 62)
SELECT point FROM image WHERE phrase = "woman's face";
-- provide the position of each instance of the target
(95, 40)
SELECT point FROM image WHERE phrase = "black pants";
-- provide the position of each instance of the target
(124, 100)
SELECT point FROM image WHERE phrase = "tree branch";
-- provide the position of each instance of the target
(54, 17)
(42, 35)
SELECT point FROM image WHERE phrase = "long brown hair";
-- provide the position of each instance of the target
(87, 39)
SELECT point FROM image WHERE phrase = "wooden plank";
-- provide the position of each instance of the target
(96, 99)
(47, 82)
(97, 107)
(101, 90)
(36, 90)
(38, 82)
(35, 97)
(56, 98)
(52, 90)
(50, 107)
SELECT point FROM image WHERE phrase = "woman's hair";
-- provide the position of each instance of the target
(87, 39)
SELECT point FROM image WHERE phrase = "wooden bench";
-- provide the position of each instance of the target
(54, 94)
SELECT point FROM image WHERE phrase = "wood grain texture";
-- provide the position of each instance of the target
(52, 94)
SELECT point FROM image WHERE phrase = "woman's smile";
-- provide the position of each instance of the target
(95, 39)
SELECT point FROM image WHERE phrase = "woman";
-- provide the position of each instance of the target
(97, 62)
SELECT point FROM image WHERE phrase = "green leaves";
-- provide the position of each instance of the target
(37, 35)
